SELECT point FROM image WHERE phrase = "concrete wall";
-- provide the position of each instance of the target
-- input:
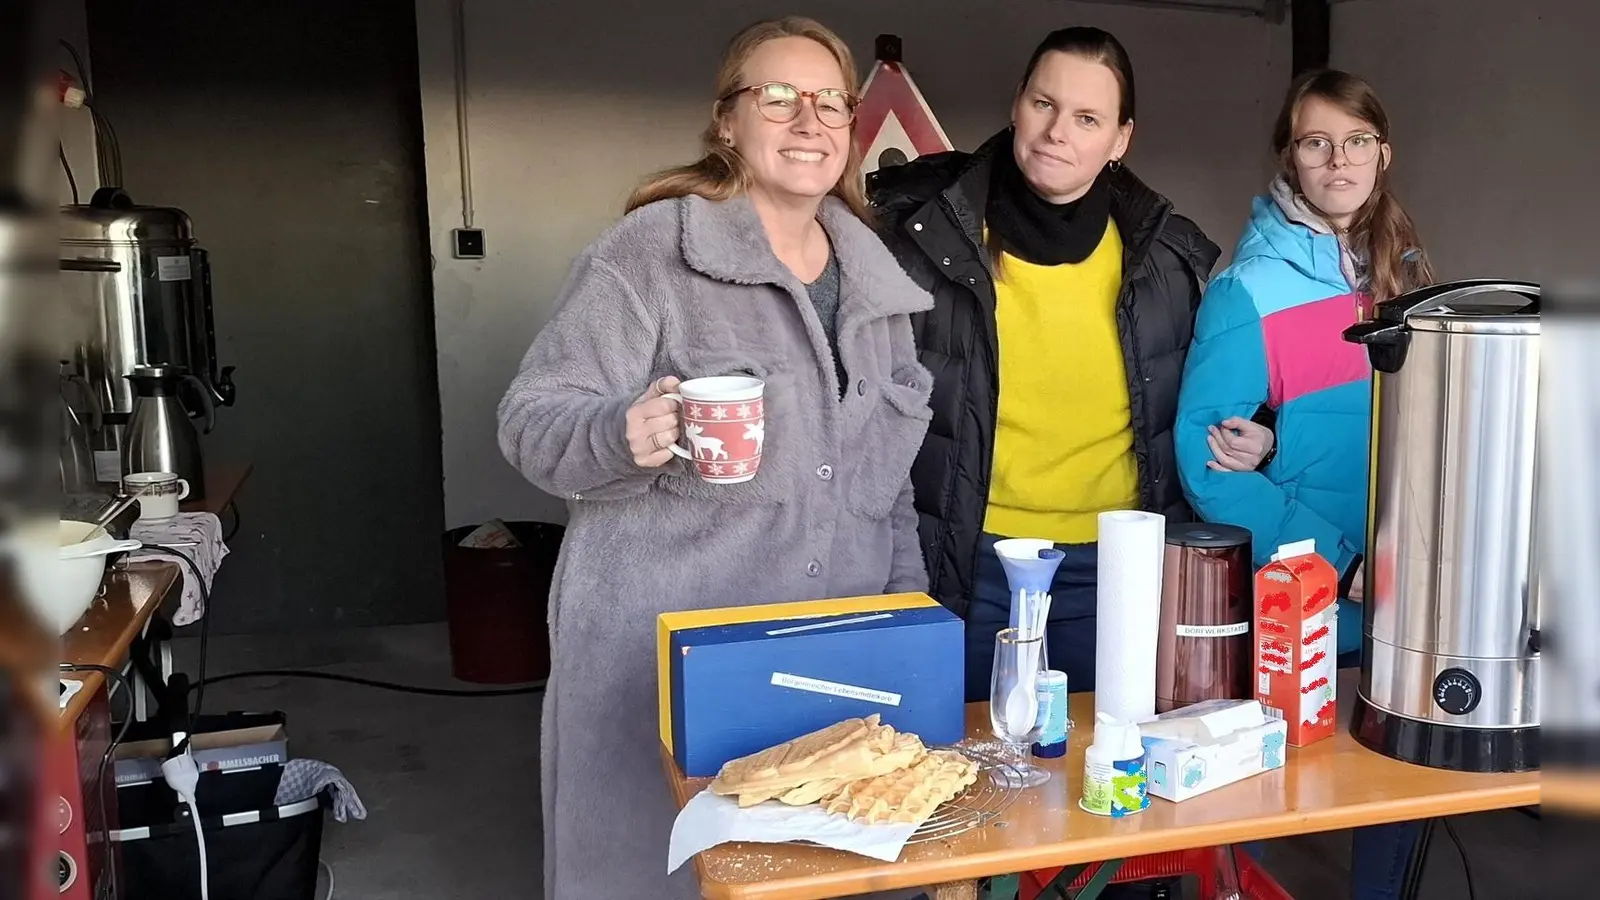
(572, 103)
(289, 132)
(1493, 111)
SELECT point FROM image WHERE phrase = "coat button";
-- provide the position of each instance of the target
(813, 568)
(946, 261)
(916, 226)
(861, 387)
(825, 472)
(972, 281)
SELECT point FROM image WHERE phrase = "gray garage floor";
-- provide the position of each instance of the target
(452, 787)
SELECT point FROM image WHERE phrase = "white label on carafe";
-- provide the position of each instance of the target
(173, 268)
(1214, 631)
(108, 466)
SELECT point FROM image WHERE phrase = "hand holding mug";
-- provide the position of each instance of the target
(652, 424)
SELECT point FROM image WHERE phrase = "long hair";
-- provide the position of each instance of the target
(720, 174)
(1087, 43)
(1381, 231)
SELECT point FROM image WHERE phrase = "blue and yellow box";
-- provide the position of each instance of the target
(739, 680)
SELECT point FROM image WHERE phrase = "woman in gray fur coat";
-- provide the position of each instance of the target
(754, 260)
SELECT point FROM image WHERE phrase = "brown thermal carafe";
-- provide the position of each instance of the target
(1204, 647)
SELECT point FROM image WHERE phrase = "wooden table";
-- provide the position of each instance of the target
(223, 482)
(1332, 784)
(104, 634)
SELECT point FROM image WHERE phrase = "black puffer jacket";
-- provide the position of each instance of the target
(931, 216)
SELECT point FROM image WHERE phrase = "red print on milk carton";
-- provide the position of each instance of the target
(1296, 621)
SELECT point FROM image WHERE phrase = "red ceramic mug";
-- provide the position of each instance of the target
(724, 425)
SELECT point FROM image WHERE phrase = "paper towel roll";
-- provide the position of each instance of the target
(1128, 613)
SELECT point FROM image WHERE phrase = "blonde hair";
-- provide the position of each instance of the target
(720, 174)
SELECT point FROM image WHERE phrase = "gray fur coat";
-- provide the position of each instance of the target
(691, 288)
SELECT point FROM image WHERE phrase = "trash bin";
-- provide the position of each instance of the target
(498, 603)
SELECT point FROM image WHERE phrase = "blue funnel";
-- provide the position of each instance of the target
(1030, 563)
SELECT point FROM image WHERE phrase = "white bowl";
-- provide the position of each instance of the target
(60, 589)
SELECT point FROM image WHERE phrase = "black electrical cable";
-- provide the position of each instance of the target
(83, 74)
(205, 624)
(72, 181)
(1465, 866)
(237, 522)
(373, 683)
(105, 759)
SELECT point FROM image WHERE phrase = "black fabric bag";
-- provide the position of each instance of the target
(255, 850)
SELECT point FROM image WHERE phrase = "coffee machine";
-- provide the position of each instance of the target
(139, 287)
(1450, 622)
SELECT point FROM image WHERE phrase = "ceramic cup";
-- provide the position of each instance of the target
(158, 493)
(724, 426)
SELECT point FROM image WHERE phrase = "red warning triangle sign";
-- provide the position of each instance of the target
(893, 121)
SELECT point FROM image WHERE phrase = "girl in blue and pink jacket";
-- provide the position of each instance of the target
(1274, 411)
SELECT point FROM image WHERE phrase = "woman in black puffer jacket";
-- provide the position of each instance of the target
(1064, 299)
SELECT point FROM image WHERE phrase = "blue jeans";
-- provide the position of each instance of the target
(1069, 634)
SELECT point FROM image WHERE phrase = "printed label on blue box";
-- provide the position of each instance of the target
(834, 689)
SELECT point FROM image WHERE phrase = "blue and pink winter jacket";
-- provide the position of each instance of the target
(1269, 332)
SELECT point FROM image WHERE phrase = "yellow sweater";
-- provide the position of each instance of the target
(1063, 447)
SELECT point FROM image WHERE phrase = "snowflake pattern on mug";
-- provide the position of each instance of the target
(725, 439)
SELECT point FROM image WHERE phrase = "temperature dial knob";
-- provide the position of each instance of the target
(1457, 691)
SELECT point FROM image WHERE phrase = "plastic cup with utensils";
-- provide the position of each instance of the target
(158, 493)
(724, 421)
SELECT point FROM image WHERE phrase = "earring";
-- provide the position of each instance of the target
(727, 140)
(1114, 165)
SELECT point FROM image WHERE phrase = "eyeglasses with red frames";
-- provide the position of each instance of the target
(780, 103)
(1359, 149)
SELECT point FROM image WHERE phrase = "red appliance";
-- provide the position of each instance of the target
(78, 794)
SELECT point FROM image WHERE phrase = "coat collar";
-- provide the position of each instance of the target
(725, 240)
(1139, 211)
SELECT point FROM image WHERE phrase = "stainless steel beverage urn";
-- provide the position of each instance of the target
(140, 287)
(1450, 643)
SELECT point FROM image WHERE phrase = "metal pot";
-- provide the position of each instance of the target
(1450, 643)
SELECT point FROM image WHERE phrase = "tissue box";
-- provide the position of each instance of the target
(1200, 748)
(738, 680)
(1297, 640)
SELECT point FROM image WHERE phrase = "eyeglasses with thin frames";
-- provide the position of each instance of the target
(1359, 149)
(780, 103)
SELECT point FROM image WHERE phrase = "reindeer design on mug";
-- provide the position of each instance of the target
(704, 447)
(756, 431)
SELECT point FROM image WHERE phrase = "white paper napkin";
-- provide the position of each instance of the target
(709, 819)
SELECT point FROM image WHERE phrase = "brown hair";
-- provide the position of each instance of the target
(1380, 231)
(720, 174)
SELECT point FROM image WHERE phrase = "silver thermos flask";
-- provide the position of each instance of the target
(160, 436)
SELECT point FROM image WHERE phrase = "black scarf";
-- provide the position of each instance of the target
(1036, 230)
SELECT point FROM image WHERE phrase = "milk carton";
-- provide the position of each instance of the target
(1296, 597)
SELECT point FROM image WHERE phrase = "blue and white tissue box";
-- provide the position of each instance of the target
(1201, 747)
(736, 681)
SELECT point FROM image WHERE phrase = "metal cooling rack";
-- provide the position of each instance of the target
(983, 801)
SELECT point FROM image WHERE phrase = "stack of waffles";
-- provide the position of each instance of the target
(859, 767)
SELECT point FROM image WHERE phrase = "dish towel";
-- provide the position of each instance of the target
(197, 535)
(303, 779)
